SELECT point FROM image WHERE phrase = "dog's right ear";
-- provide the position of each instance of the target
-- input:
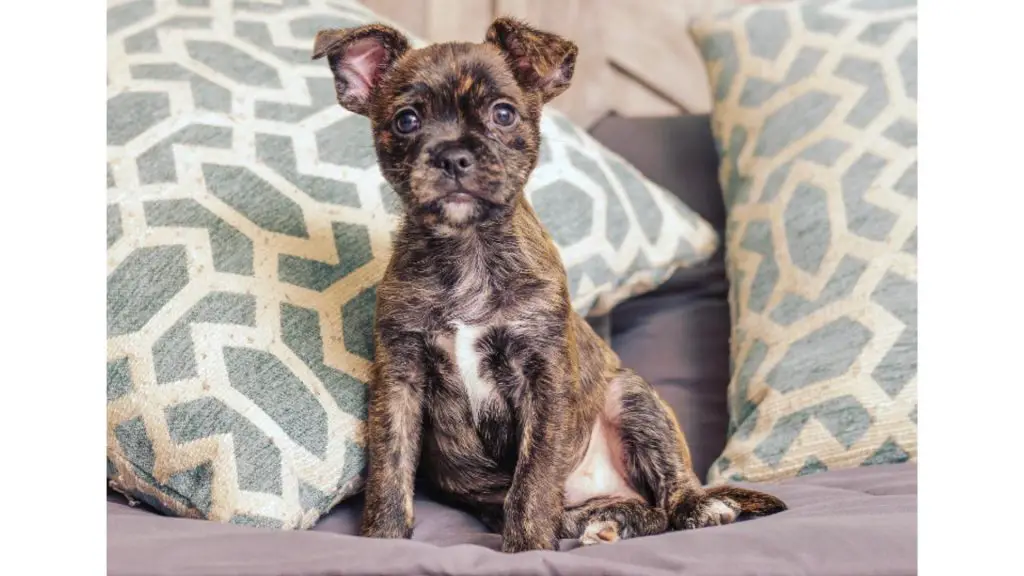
(359, 58)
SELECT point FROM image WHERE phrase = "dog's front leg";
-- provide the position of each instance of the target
(393, 436)
(533, 506)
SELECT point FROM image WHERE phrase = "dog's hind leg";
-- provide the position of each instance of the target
(657, 461)
(611, 518)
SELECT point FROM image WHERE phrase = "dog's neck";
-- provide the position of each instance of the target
(498, 252)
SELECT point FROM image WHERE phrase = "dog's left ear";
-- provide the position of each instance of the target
(542, 62)
(359, 58)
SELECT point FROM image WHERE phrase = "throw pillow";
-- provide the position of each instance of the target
(815, 117)
(248, 225)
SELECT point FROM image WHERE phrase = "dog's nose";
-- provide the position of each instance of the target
(455, 162)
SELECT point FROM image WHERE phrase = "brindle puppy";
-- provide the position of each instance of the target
(519, 410)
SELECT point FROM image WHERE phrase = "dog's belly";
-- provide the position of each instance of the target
(602, 471)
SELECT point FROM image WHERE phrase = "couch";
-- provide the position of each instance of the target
(840, 522)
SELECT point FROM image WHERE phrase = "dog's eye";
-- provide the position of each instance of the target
(503, 114)
(406, 121)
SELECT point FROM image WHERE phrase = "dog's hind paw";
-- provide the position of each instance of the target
(710, 512)
(723, 505)
(600, 532)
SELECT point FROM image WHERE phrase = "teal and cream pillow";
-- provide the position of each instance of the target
(247, 226)
(815, 118)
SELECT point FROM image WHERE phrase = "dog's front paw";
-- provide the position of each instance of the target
(379, 527)
(520, 541)
(520, 545)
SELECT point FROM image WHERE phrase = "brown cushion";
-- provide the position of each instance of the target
(677, 337)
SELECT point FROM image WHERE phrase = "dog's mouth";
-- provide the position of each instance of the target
(459, 198)
(458, 193)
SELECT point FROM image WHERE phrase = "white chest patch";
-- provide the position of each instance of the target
(467, 359)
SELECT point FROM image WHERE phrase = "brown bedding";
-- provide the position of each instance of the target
(842, 523)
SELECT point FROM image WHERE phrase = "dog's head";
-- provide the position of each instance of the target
(455, 125)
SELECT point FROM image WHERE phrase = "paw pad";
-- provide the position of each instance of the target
(600, 532)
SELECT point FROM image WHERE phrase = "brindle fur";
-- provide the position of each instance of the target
(490, 263)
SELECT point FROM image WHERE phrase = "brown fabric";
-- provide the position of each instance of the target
(677, 337)
(859, 521)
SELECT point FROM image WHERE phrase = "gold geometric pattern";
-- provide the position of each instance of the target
(815, 116)
(247, 227)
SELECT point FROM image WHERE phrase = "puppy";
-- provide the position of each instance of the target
(485, 379)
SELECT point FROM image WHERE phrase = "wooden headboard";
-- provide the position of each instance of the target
(636, 57)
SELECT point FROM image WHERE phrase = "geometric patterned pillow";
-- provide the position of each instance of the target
(815, 118)
(248, 225)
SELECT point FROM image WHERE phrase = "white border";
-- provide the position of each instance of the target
(971, 220)
(971, 119)
(52, 220)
